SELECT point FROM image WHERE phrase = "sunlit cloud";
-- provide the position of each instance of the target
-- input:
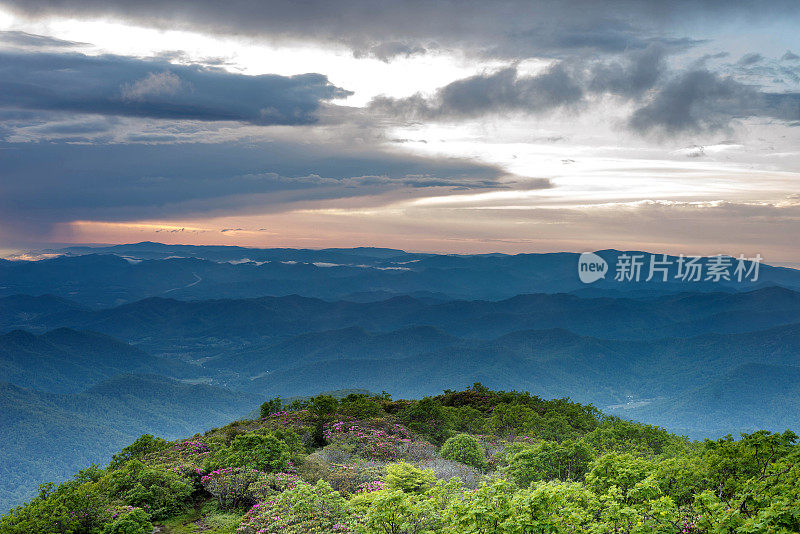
(526, 136)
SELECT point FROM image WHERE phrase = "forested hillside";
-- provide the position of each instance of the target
(45, 436)
(699, 364)
(475, 461)
(169, 340)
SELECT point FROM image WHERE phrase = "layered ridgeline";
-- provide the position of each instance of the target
(616, 353)
(106, 276)
(469, 461)
(699, 364)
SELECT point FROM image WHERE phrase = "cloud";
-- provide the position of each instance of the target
(153, 85)
(785, 106)
(561, 85)
(696, 101)
(506, 28)
(497, 92)
(45, 183)
(29, 40)
(634, 74)
(387, 51)
(702, 101)
(74, 127)
(750, 59)
(790, 56)
(124, 86)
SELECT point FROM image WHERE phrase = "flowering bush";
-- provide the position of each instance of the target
(344, 478)
(388, 443)
(374, 485)
(270, 484)
(304, 509)
(191, 446)
(235, 486)
(284, 419)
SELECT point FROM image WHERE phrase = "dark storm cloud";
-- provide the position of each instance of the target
(703, 101)
(696, 101)
(115, 85)
(631, 76)
(498, 92)
(508, 28)
(47, 182)
(562, 84)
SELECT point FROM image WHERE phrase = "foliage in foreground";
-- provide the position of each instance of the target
(474, 461)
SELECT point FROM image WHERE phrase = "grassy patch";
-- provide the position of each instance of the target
(207, 518)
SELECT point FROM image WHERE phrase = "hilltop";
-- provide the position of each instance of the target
(457, 462)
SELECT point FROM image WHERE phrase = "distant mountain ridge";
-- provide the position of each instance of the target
(732, 403)
(204, 328)
(66, 360)
(106, 276)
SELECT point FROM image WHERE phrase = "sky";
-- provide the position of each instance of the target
(466, 127)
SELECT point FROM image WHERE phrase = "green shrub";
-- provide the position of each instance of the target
(466, 419)
(428, 417)
(465, 449)
(322, 409)
(271, 406)
(616, 435)
(145, 444)
(158, 491)
(73, 507)
(231, 486)
(407, 478)
(136, 521)
(620, 471)
(360, 407)
(264, 452)
(549, 461)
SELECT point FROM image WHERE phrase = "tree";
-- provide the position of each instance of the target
(465, 449)
(322, 408)
(264, 452)
(271, 406)
(405, 477)
(550, 461)
(144, 444)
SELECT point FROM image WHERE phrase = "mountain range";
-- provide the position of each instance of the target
(98, 345)
(107, 276)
